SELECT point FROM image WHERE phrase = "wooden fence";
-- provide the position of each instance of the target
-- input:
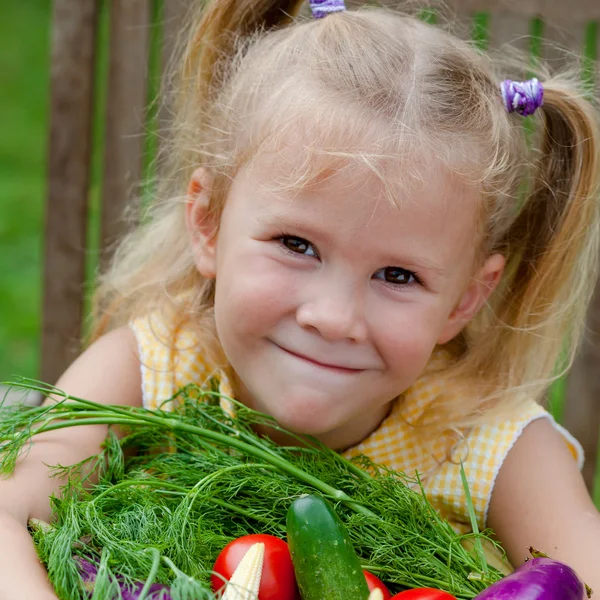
(139, 30)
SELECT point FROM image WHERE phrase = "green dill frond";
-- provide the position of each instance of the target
(186, 483)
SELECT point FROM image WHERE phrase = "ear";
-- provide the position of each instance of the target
(474, 297)
(201, 225)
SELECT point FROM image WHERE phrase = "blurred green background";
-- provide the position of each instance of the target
(24, 78)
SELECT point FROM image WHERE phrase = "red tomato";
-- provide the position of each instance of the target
(375, 583)
(278, 581)
(423, 594)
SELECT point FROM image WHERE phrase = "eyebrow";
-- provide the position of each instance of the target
(423, 265)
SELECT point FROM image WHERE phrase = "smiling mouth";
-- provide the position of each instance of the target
(320, 364)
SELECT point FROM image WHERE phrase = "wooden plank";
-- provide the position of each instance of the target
(509, 30)
(563, 44)
(175, 15)
(71, 97)
(125, 116)
(582, 406)
(555, 10)
(582, 402)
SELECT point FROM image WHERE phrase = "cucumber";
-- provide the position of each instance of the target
(325, 562)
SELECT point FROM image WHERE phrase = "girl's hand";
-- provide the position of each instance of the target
(540, 500)
(21, 573)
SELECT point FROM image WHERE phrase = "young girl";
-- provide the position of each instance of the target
(359, 239)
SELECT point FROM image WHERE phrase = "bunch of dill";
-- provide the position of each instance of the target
(180, 485)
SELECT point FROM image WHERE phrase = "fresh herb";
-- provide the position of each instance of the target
(469, 501)
(199, 479)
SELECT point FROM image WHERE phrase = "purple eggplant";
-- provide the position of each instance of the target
(88, 573)
(537, 579)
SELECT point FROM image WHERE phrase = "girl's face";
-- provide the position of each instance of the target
(329, 302)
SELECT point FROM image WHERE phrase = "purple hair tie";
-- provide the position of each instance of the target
(321, 8)
(523, 97)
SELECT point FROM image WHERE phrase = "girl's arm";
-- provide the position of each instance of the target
(540, 500)
(107, 372)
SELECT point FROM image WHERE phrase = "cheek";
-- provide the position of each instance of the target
(408, 352)
(406, 337)
(251, 294)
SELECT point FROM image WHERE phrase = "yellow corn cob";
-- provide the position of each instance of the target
(39, 525)
(245, 581)
(376, 594)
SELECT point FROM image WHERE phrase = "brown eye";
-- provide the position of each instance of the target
(396, 275)
(298, 245)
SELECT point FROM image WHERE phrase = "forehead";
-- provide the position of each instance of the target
(384, 182)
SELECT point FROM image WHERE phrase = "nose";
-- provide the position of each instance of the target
(335, 311)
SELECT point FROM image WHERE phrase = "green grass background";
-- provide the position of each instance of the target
(24, 76)
(25, 41)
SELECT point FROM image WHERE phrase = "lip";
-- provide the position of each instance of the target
(335, 368)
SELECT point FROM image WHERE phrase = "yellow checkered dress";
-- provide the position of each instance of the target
(165, 368)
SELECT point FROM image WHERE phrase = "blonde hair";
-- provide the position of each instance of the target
(368, 84)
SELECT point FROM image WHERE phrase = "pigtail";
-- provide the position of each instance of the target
(552, 245)
(222, 25)
(547, 228)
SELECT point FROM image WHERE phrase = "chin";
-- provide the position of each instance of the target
(302, 428)
(303, 420)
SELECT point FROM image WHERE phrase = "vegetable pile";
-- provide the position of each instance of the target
(182, 485)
